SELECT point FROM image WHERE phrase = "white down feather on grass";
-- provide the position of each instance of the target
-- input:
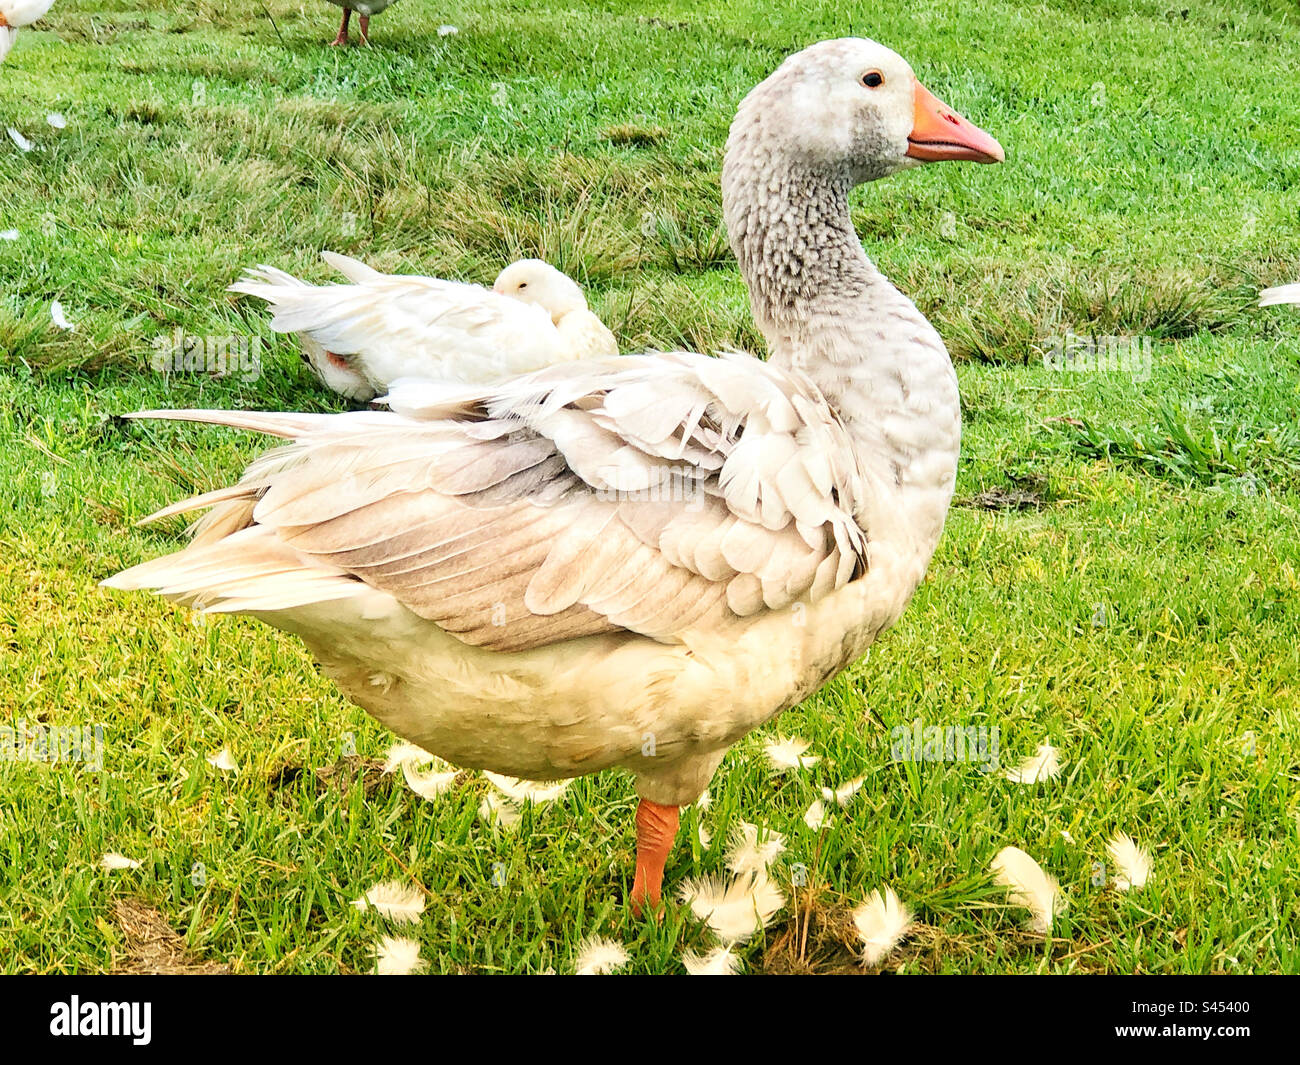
(427, 775)
(1028, 886)
(398, 902)
(733, 910)
(398, 956)
(598, 956)
(720, 961)
(1044, 764)
(1132, 862)
(882, 921)
(787, 752)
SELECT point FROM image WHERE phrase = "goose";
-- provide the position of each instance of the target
(1272, 297)
(364, 8)
(629, 562)
(14, 14)
(362, 336)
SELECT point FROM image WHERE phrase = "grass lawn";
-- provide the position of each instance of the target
(1136, 602)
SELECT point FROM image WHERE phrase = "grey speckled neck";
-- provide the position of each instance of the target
(827, 311)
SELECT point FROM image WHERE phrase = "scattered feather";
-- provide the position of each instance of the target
(1029, 886)
(496, 811)
(1065, 835)
(447, 31)
(1044, 765)
(704, 801)
(598, 956)
(720, 961)
(748, 853)
(735, 910)
(398, 956)
(24, 145)
(394, 900)
(705, 837)
(881, 922)
(9, 234)
(786, 753)
(1132, 861)
(400, 754)
(223, 760)
(815, 816)
(113, 861)
(433, 782)
(56, 120)
(525, 791)
(60, 319)
(840, 796)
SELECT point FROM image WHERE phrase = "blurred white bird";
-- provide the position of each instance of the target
(364, 8)
(1281, 294)
(15, 14)
(361, 337)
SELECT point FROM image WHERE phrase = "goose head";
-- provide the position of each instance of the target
(854, 109)
(534, 281)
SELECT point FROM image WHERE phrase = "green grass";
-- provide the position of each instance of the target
(1152, 185)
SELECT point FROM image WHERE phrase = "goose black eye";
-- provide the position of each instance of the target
(873, 79)
(523, 285)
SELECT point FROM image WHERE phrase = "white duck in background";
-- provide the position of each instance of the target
(361, 337)
(632, 561)
(364, 8)
(1271, 297)
(14, 14)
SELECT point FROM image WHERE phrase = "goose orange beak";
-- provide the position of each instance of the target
(939, 132)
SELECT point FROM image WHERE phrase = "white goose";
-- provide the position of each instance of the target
(635, 561)
(361, 337)
(14, 14)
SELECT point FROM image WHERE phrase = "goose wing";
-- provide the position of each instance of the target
(646, 494)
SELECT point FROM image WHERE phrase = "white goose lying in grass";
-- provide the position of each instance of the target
(14, 14)
(633, 561)
(1271, 297)
(361, 337)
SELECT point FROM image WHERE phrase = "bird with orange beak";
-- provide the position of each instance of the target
(630, 562)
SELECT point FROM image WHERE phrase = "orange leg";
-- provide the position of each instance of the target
(656, 827)
(342, 38)
(365, 29)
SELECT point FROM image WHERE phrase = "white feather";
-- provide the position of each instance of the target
(815, 816)
(841, 795)
(24, 145)
(1132, 862)
(786, 753)
(720, 961)
(734, 910)
(598, 956)
(881, 922)
(9, 234)
(223, 760)
(398, 956)
(56, 120)
(1044, 765)
(751, 850)
(394, 900)
(496, 811)
(400, 754)
(114, 861)
(1280, 294)
(704, 801)
(60, 319)
(1028, 886)
(525, 791)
